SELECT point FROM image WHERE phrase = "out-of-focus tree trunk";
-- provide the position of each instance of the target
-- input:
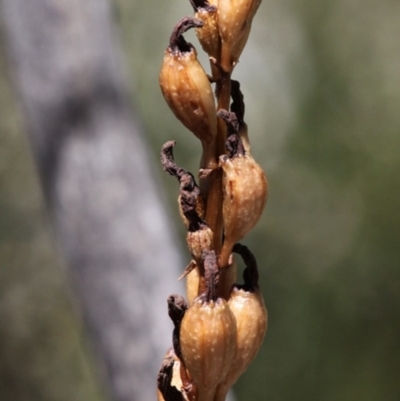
(108, 213)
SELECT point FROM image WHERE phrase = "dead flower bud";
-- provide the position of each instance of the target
(247, 304)
(185, 85)
(245, 189)
(234, 20)
(208, 335)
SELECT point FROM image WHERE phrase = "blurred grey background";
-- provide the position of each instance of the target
(321, 81)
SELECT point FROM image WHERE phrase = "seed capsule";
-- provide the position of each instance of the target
(247, 304)
(245, 190)
(208, 35)
(234, 20)
(185, 85)
(208, 335)
(251, 316)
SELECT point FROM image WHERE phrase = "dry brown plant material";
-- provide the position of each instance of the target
(220, 328)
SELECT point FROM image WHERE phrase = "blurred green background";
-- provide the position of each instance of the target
(321, 81)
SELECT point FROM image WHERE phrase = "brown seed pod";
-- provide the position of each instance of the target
(185, 85)
(245, 189)
(208, 35)
(234, 20)
(208, 335)
(247, 304)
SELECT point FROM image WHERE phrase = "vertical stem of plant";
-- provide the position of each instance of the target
(214, 200)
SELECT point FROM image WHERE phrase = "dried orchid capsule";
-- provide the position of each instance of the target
(185, 85)
(234, 20)
(208, 335)
(245, 189)
(247, 304)
(208, 35)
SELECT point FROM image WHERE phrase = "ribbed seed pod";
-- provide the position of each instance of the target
(238, 47)
(247, 304)
(251, 319)
(251, 322)
(234, 20)
(208, 35)
(245, 191)
(185, 85)
(208, 336)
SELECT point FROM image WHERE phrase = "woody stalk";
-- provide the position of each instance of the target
(219, 327)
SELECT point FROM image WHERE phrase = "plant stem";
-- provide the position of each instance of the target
(214, 199)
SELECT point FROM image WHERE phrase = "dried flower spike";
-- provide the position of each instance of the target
(185, 85)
